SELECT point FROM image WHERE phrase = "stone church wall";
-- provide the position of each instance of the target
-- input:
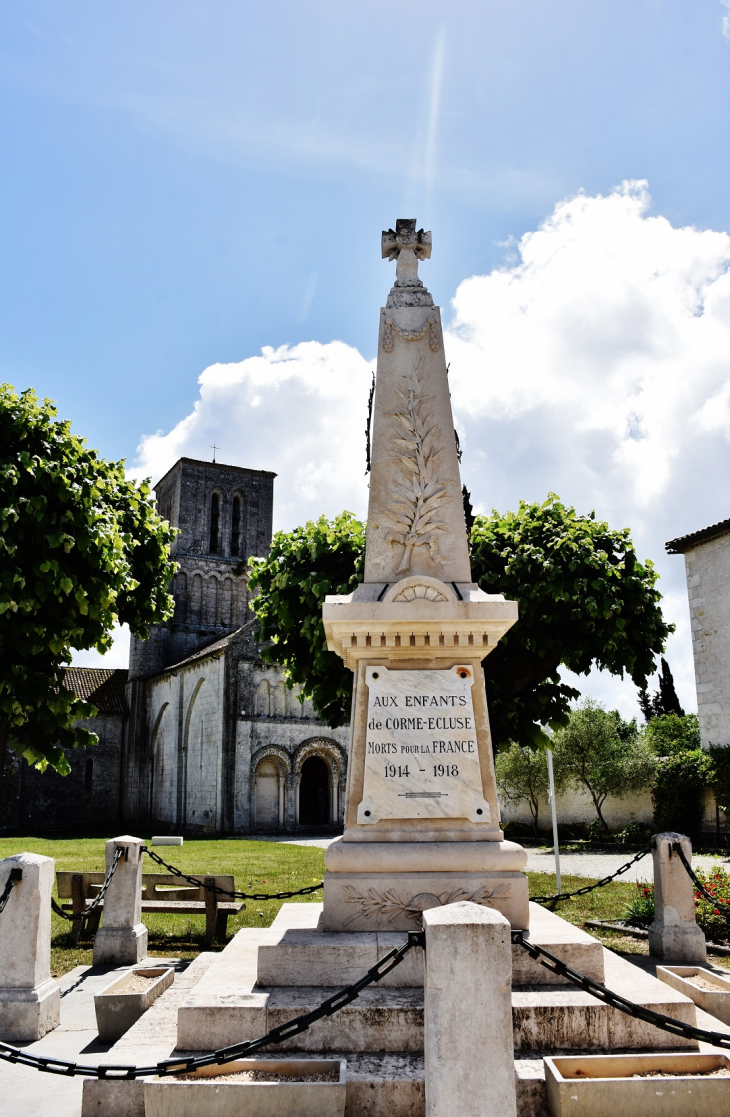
(85, 801)
(184, 727)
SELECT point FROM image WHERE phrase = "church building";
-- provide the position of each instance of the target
(200, 735)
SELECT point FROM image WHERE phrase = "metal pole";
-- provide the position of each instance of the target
(551, 797)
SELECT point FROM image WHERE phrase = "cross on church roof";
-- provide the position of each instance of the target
(214, 448)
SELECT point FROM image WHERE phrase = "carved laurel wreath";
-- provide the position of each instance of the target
(389, 904)
(430, 327)
(417, 494)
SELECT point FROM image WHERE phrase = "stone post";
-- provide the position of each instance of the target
(30, 1000)
(468, 1045)
(674, 934)
(122, 939)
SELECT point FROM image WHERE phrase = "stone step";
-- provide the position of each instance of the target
(226, 1007)
(295, 951)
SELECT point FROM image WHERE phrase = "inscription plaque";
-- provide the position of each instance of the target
(421, 754)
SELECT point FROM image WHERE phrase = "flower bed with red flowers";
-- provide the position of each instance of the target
(713, 918)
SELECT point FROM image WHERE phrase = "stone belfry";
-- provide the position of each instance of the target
(422, 818)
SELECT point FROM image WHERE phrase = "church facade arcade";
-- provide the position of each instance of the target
(206, 737)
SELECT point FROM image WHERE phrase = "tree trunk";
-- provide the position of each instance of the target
(4, 734)
(534, 811)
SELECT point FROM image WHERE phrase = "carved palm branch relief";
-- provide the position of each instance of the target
(389, 905)
(417, 494)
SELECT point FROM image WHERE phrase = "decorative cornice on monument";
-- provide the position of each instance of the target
(433, 618)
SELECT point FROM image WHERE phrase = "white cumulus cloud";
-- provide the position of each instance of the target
(595, 364)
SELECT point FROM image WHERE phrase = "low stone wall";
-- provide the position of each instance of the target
(576, 807)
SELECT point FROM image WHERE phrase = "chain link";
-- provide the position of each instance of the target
(224, 891)
(224, 1054)
(591, 887)
(615, 1000)
(676, 847)
(14, 877)
(84, 915)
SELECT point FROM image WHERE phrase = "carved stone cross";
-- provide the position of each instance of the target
(407, 247)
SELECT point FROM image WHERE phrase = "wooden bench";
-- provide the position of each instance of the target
(163, 893)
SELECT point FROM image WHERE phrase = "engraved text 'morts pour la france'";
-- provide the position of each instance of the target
(421, 754)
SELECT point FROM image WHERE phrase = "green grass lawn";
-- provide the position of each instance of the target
(273, 867)
(255, 866)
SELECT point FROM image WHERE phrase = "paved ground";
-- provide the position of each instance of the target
(601, 864)
(25, 1092)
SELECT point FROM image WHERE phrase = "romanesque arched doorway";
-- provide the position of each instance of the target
(268, 800)
(314, 793)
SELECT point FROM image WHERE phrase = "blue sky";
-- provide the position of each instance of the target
(185, 184)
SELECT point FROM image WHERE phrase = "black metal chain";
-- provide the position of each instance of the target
(615, 1000)
(676, 847)
(590, 887)
(14, 876)
(118, 854)
(225, 891)
(224, 1054)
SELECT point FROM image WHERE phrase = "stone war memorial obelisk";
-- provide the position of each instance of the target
(422, 819)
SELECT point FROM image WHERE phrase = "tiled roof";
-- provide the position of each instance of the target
(103, 687)
(686, 542)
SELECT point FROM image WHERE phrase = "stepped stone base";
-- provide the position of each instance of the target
(217, 1000)
(230, 1003)
(296, 951)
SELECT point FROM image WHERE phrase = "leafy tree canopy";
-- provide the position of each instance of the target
(302, 567)
(678, 786)
(584, 600)
(602, 754)
(81, 548)
(670, 733)
(522, 776)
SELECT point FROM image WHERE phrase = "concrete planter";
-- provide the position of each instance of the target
(603, 1086)
(715, 1001)
(204, 1096)
(117, 1010)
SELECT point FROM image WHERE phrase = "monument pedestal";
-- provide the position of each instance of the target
(386, 886)
(422, 818)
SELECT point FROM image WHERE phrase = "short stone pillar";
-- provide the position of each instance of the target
(30, 1000)
(674, 934)
(122, 939)
(468, 1045)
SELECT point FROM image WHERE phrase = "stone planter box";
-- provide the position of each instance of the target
(203, 1095)
(715, 1001)
(603, 1086)
(117, 1009)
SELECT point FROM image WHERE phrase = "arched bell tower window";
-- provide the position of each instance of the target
(236, 527)
(214, 523)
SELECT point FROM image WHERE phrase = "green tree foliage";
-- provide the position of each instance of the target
(670, 734)
(522, 776)
(720, 756)
(678, 785)
(81, 548)
(303, 566)
(664, 700)
(602, 754)
(584, 600)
